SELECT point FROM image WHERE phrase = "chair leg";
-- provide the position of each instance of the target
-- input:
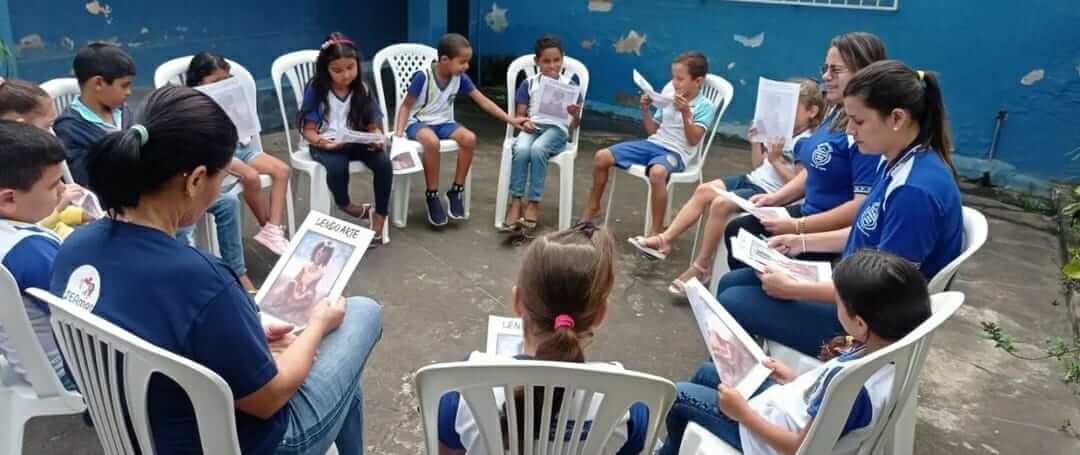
(468, 193)
(320, 193)
(400, 212)
(566, 195)
(670, 198)
(902, 439)
(611, 196)
(648, 211)
(12, 427)
(502, 190)
(290, 212)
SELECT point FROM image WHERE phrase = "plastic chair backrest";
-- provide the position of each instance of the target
(298, 67)
(112, 367)
(476, 381)
(404, 60)
(718, 91)
(527, 64)
(976, 230)
(20, 333)
(63, 92)
(907, 355)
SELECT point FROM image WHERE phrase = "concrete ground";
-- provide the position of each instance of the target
(439, 286)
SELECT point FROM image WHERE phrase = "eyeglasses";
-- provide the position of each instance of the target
(832, 69)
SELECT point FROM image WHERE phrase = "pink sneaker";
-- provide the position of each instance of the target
(273, 238)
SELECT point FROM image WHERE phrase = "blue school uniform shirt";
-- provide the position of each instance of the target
(184, 301)
(27, 252)
(835, 170)
(913, 211)
(458, 428)
(335, 120)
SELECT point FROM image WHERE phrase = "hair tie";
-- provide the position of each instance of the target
(2, 80)
(333, 41)
(564, 321)
(922, 75)
(144, 134)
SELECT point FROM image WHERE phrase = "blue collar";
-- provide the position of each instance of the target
(89, 115)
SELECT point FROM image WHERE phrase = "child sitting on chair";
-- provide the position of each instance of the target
(674, 134)
(540, 141)
(882, 298)
(561, 296)
(427, 116)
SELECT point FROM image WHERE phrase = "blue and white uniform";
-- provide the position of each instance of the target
(913, 211)
(835, 170)
(458, 428)
(27, 251)
(434, 107)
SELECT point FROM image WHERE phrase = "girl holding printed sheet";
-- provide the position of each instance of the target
(897, 115)
(337, 99)
(835, 177)
(773, 167)
(249, 162)
(540, 140)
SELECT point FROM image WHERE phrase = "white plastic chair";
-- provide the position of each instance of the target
(976, 230)
(111, 364)
(43, 395)
(717, 90)
(405, 60)
(564, 160)
(476, 381)
(299, 67)
(908, 355)
(174, 72)
(63, 92)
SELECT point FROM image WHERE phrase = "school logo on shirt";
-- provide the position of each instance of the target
(83, 287)
(821, 156)
(868, 221)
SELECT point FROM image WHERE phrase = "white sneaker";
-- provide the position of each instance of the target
(273, 238)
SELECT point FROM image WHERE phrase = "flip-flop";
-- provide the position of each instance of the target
(677, 287)
(508, 228)
(639, 243)
(528, 224)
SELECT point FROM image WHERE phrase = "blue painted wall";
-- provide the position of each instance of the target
(981, 49)
(252, 32)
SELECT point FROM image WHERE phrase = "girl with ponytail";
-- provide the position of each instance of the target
(561, 297)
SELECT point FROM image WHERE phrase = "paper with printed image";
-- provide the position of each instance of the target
(238, 102)
(755, 252)
(737, 358)
(405, 156)
(774, 114)
(320, 259)
(761, 213)
(90, 204)
(658, 99)
(553, 97)
(348, 136)
(505, 337)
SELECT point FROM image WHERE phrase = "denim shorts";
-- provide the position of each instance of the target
(648, 154)
(246, 153)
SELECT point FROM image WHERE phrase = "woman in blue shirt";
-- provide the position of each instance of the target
(914, 210)
(192, 304)
(835, 176)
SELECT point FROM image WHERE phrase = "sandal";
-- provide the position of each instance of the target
(508, 228)
(528, 224)
(376, 241)
(678, 287)
(639, 242)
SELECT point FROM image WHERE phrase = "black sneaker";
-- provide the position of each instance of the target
(457, 206)
(436, 215)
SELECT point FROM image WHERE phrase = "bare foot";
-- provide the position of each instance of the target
(532, 211)
(695, 271)
(657, 242)
(513, 214)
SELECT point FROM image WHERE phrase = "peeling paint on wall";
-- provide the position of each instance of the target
(742, 81)
(181, 29)
(600, 6)
(731, 66)
(1078, 69)
(1034, 76)
(496, 19)
(626, 100)
(96, 7)
(632, 42)
(67, 43)
(751, 41)
(144, 31)
(31, 41)
(587, 43)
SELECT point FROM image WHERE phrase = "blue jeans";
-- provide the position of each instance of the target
(226, 211)
(530, 158)
(742, 186)
(336, 163)
(697, 402)
(327, 409)
(800, 324)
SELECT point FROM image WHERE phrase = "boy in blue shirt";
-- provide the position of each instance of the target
(30, 189)
(675, 132)
(427, 116)
(105, 74)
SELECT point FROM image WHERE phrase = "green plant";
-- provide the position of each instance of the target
(1066, 353)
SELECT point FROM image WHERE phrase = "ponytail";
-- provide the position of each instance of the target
(889, 84)
(179, 130)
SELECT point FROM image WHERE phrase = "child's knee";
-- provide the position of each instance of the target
(604, 159)
(658, 175)
(465, 138)
(250, 176)
(721, 205)
(279, 170)
(427, 138)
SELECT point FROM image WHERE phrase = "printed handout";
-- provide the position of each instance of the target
(774, 114)
(762, 213)
(238, 103)
(658, 99)
(737, 358)
(756, 253)
(553, 97)
(505, 337)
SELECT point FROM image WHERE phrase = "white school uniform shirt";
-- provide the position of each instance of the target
(672, 136)
(464, 424)
(435, 106)
(766, 176)
(792, 405)
(27, 251)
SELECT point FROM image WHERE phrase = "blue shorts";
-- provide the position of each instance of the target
(648, 154)
(442, 130)
(246, 153)
(742, 186)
